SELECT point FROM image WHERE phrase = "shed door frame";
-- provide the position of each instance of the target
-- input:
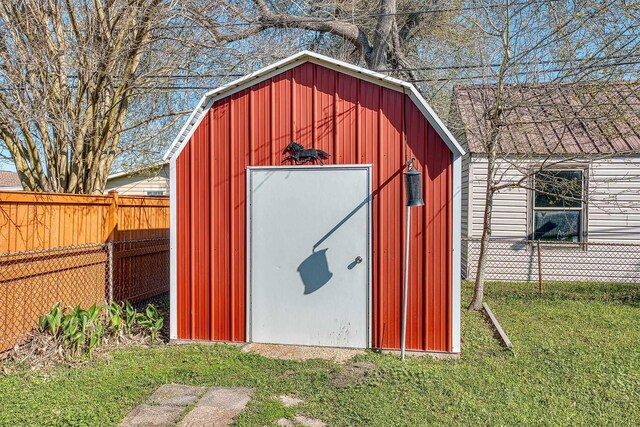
(249, 197)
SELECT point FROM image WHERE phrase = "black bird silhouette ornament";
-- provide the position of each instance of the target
(301, 155)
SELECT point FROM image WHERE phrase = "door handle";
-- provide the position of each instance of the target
(358, 260)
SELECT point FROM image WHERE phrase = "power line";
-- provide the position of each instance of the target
(319, 20)
(439, 68)
(426, 80)
(520, 64)
(426, 68)
(519, 73)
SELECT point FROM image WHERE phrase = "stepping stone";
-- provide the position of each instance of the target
(289, 401)
(209, 416)
(235, 398)
(285, 422)
(309, 422)
(153, 415)
(218, 407)
(176, 394)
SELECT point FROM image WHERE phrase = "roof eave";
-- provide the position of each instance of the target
(127, 173)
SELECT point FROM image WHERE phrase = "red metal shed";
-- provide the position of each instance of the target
(369, 124)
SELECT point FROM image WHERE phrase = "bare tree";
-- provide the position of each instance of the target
(380, 34)
(525, 43)
(69, 73)
(86, 82)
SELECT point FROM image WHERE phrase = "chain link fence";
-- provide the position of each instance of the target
(534, 261)
(32, 282)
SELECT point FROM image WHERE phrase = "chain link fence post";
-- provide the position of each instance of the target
(539, 268)
(110, 271)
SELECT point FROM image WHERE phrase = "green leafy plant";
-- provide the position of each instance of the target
(52, 320)
(130, 315)
(151, 320)
(78, 331)
(115, 316)
(73, 336)
(92, 327)
(95, 338)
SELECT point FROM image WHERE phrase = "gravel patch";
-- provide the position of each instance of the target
(296, 352)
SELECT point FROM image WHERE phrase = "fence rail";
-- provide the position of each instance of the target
(534, 261)
(31, 282)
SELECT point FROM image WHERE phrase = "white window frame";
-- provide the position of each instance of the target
(146, 193)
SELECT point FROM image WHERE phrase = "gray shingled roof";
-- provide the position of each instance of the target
(586, 118)
(9, 179)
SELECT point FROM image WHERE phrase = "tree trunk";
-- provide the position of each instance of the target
(382, 40)
(485, 241)
(478, 291)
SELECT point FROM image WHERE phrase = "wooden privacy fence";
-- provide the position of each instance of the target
(139, 269)
(77, 249)
(32, 221)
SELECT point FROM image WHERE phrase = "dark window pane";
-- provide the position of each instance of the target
(558, 189)
(556, 225)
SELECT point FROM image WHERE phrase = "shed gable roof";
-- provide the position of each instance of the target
(288, 63)
(575, 119)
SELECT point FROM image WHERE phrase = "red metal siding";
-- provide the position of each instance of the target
(356, 122)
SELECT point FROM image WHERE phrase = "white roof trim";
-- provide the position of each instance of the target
(301, 57)
(131, 172)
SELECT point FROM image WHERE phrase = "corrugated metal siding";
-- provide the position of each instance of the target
(464, 226)
(356, 122)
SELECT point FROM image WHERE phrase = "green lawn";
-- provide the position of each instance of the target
(576, 362)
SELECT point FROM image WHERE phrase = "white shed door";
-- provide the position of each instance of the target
(309, 255)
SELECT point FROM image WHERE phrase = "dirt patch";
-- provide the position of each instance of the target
(41, 352)
(352, 374)
(296, 352)
(309, 422)
(284, 422)
(289, 401)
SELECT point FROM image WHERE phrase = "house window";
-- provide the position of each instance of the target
(154, 192)
(558, 205)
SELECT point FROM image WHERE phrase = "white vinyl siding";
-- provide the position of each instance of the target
(140, 184)
(614, 201)
(509, 206)
(613, 216)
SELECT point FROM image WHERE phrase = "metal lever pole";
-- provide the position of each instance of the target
(405, 295)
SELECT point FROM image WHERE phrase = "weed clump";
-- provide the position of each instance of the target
(73, 334)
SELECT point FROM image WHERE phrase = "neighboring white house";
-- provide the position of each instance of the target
(9, 181)
(148, 181)
(596, 162)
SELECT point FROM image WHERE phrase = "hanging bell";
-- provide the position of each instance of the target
(413, 186)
